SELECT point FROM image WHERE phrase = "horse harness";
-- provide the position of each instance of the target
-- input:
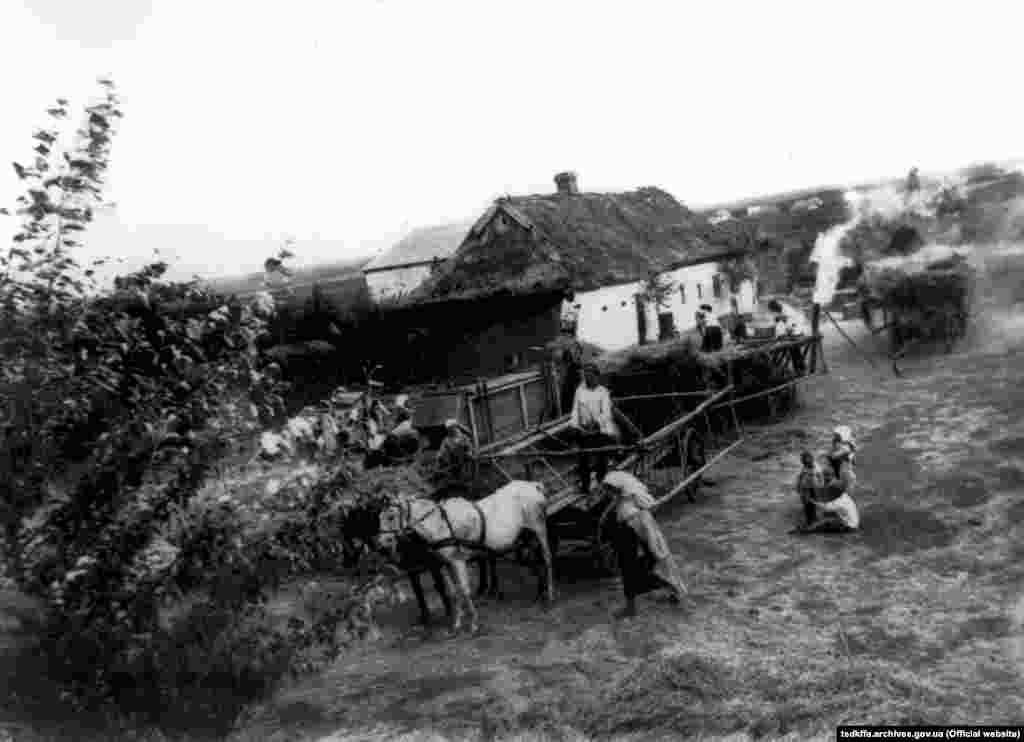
(453, 540)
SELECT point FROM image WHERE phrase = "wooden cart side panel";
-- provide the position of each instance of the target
(432, 410)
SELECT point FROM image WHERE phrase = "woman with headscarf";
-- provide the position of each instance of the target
(643, 552)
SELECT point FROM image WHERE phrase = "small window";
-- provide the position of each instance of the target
(682, 292)
(604, 308)
(700, 292)
(716, 286)
(623, 303)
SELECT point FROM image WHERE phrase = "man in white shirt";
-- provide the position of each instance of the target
(593, 425)
(781, 327)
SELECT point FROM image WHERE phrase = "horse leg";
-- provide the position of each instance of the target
(484, 585)
(454, 586)
(490, 563)
(540, 529)
(421, 599)
(461, 570)
(436, 572)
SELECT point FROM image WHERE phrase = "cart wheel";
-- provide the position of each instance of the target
(694, 459)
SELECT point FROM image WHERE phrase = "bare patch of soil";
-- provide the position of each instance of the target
(1013, 446)
(890, 529)
(1011, 477)
(963, 490)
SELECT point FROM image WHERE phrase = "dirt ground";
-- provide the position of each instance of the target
(919, 618)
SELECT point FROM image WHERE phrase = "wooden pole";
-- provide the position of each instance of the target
(522, 407)
(850, 340)
(554, 389)
(474, 429)
(815, 333)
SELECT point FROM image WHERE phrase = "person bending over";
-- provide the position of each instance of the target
(643, 553)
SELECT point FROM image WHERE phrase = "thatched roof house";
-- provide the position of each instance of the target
(497, 303)
(572, 241)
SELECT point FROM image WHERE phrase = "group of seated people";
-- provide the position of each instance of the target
(826, 492)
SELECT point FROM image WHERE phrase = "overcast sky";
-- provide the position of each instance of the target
(346, 122)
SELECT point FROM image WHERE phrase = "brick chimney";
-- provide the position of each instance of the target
(566, 183)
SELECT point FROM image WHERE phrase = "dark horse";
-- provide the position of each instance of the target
(415, 557)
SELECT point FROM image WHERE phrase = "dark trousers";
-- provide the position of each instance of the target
(573, 377)
(798, 361)
(592, 462)
(635, 563)
(712, 339)
(810, 512)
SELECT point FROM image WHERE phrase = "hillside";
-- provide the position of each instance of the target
(303, 278)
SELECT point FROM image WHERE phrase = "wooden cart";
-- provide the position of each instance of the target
(668, 455)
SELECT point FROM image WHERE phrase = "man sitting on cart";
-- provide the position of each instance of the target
(593, 426)
(645, 560)
(453, 473)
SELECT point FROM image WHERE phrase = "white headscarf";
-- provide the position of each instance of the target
(845, 435)
(630, 487)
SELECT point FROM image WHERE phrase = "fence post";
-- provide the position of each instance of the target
(815, 323)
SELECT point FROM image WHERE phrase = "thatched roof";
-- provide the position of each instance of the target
(580, 242)
(421, 246)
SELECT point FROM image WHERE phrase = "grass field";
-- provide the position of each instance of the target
(918, 618)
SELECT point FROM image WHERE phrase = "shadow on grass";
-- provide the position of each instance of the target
(892, 529)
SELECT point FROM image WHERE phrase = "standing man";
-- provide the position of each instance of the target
(644, 556)
(572, 365)
(781, 327)
(712, 330)
(593, 426)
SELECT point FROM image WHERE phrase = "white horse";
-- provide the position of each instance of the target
(458, 529)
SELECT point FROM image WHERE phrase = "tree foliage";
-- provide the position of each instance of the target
(738, 269)
(658, 289)
(117, 405)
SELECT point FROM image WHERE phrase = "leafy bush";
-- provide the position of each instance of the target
(119, 403)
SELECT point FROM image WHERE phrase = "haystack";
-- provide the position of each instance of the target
(678, 366)
(930, 301)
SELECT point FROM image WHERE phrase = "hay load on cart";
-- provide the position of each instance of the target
(919, 302)
(762, 373)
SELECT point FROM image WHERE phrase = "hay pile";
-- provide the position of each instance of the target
(665, 363)
(678, 366)
(932, 300)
